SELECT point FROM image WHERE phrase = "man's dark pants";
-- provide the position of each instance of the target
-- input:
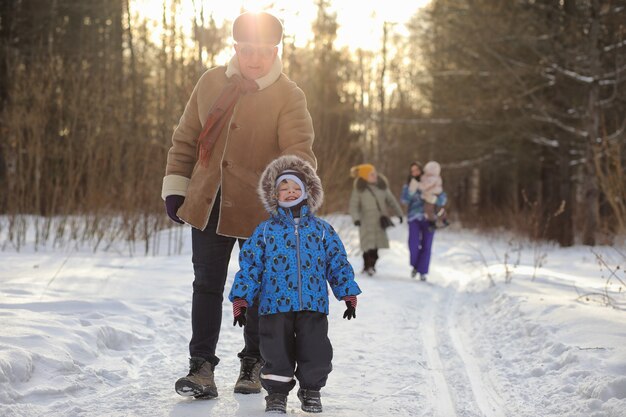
(210, 257)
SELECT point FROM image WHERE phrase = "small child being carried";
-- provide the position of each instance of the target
(431, 185)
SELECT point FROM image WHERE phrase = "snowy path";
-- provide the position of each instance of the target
(431, 338)
(106, 335)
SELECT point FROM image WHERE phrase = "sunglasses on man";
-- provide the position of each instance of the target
(247, 50)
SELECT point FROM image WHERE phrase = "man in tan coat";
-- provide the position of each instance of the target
(237, 120)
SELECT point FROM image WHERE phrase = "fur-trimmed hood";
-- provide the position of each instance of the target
(360, 183)
(267, 184)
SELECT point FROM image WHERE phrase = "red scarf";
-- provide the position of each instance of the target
(220, 113)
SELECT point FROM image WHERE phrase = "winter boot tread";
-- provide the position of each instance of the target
(200, 382)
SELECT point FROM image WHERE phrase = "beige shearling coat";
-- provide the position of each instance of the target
(363, 208)
(271, 122)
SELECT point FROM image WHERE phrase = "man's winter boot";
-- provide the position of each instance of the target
(422, 277)
(413, 273)
(311, 400)
(276, 403)
(249, 381)
(200, 382)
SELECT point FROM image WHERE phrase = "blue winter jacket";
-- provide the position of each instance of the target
(287, 265)
(416, 203)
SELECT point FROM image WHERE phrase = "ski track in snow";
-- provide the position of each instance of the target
(485, 393)
(460, 386)
(431, 338)
(108, 337)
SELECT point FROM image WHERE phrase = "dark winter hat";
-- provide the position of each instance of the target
(261, 27)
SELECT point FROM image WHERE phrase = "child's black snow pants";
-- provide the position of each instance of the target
(294, 341)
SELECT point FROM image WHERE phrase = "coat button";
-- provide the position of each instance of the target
(234, 126)
(226, 164)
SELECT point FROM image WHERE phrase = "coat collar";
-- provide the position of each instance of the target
(263, 82)
(286, 215)
(360, 184)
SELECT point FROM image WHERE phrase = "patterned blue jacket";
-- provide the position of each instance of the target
(287, 265)
(416, 203)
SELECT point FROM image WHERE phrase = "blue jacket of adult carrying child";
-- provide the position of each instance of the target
(285, 265)
(415, 203)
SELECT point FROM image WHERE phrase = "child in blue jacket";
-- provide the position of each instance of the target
(284, 267)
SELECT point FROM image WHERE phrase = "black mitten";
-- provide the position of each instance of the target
(350, 312)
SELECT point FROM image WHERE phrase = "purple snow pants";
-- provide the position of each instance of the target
(420, 243)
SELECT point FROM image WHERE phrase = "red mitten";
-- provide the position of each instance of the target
(239, 311)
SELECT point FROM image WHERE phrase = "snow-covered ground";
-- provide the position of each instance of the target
(104, 334)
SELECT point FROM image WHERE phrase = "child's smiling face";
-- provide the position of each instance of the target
(288, 190)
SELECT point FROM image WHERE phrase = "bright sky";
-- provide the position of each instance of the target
(360, 21)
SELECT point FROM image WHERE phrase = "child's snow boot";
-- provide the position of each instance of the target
(200, 382)
(311, 400)
(442, 219)
(276, 403)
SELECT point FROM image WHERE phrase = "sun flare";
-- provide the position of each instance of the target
(360, 21)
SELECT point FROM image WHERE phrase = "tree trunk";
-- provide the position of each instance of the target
(474, 190)
(591, 207)
(592, 193)
(561, 217)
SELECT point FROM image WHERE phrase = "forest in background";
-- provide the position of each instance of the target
(523, 104)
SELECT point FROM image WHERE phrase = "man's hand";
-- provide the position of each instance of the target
(172, 204)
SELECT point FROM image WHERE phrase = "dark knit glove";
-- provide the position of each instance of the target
(350, 312)
(239, 312)
(357, 223)
(400, 219)
(172, 204)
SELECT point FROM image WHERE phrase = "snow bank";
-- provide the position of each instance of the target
(105, 334)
